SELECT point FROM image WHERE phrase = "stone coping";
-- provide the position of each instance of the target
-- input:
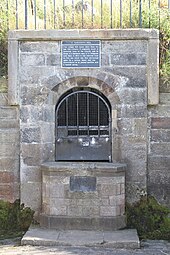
(64, 34)
(101, 166)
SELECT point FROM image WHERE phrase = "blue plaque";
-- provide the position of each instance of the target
(81, 54)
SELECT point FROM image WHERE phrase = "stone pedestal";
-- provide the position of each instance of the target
(83, 196)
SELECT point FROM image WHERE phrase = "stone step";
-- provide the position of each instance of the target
(127, 238)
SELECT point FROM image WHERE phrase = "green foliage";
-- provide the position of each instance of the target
(149, 218)
(14, 218)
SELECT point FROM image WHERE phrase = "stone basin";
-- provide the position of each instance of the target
(83, 195)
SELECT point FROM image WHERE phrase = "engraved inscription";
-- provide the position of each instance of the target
(78, 54)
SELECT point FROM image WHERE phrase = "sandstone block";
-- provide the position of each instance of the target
(108, 211)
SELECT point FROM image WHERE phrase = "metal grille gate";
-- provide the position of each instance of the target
(83, 127)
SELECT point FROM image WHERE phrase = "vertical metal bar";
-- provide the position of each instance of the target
(77, 115)
(92, 12)
(64, 16)
(98, 117)
(149, 13)
(26, 14)
(88, 107)
(120, 13)
(73, 13)
(35, 14)
(45, 17)
(82, 13)
(159, 7)
(16, 14)
(7, 14)
(130, 13)
(67, 114)
(111, 14)
(140, 13)
(54, 13)
(101, 13)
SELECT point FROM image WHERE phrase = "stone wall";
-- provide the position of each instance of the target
(159, 147)
(9, 150)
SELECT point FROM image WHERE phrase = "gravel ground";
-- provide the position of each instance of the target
(148, 247)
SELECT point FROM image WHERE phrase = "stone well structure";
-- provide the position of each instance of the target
(67, 193)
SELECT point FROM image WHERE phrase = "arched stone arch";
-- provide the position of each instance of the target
(87, 81)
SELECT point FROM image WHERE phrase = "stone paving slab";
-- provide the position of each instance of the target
(116, 239)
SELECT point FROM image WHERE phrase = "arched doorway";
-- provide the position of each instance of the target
(83, 126)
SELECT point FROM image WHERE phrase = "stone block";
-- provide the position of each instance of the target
(163, 122)
(53, 60)
(9, 164)
(108, 211)
(3, 96)
(158, 186)
(157, 148)
(118, 189)
(132, 96)
(158, 163)
(48, 152)
(56, 190)
(164, 98)
(108, 190)
(9, 123)
(30, 195)
(6, 190)
(140, 127)
(111, 180)
(30, 173)
(122, 188)
(31, 154)
(160, 111)
(30, 135)
(32, 59)
(117, 200)
(32, 75)
(10, 135)
(125, 125)
(160, 135)
(105, 59)
(75, 211)
(128, 59)
(9, 150)
(40, 47)
(81, 195)
(120, 47)
(6, 177)
(58, 210)
(7, 112)
(135, 75)
(90, 211)
(32, 95)
(47, 133)
(132, 111)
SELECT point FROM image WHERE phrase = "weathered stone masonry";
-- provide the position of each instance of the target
(128, 77)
